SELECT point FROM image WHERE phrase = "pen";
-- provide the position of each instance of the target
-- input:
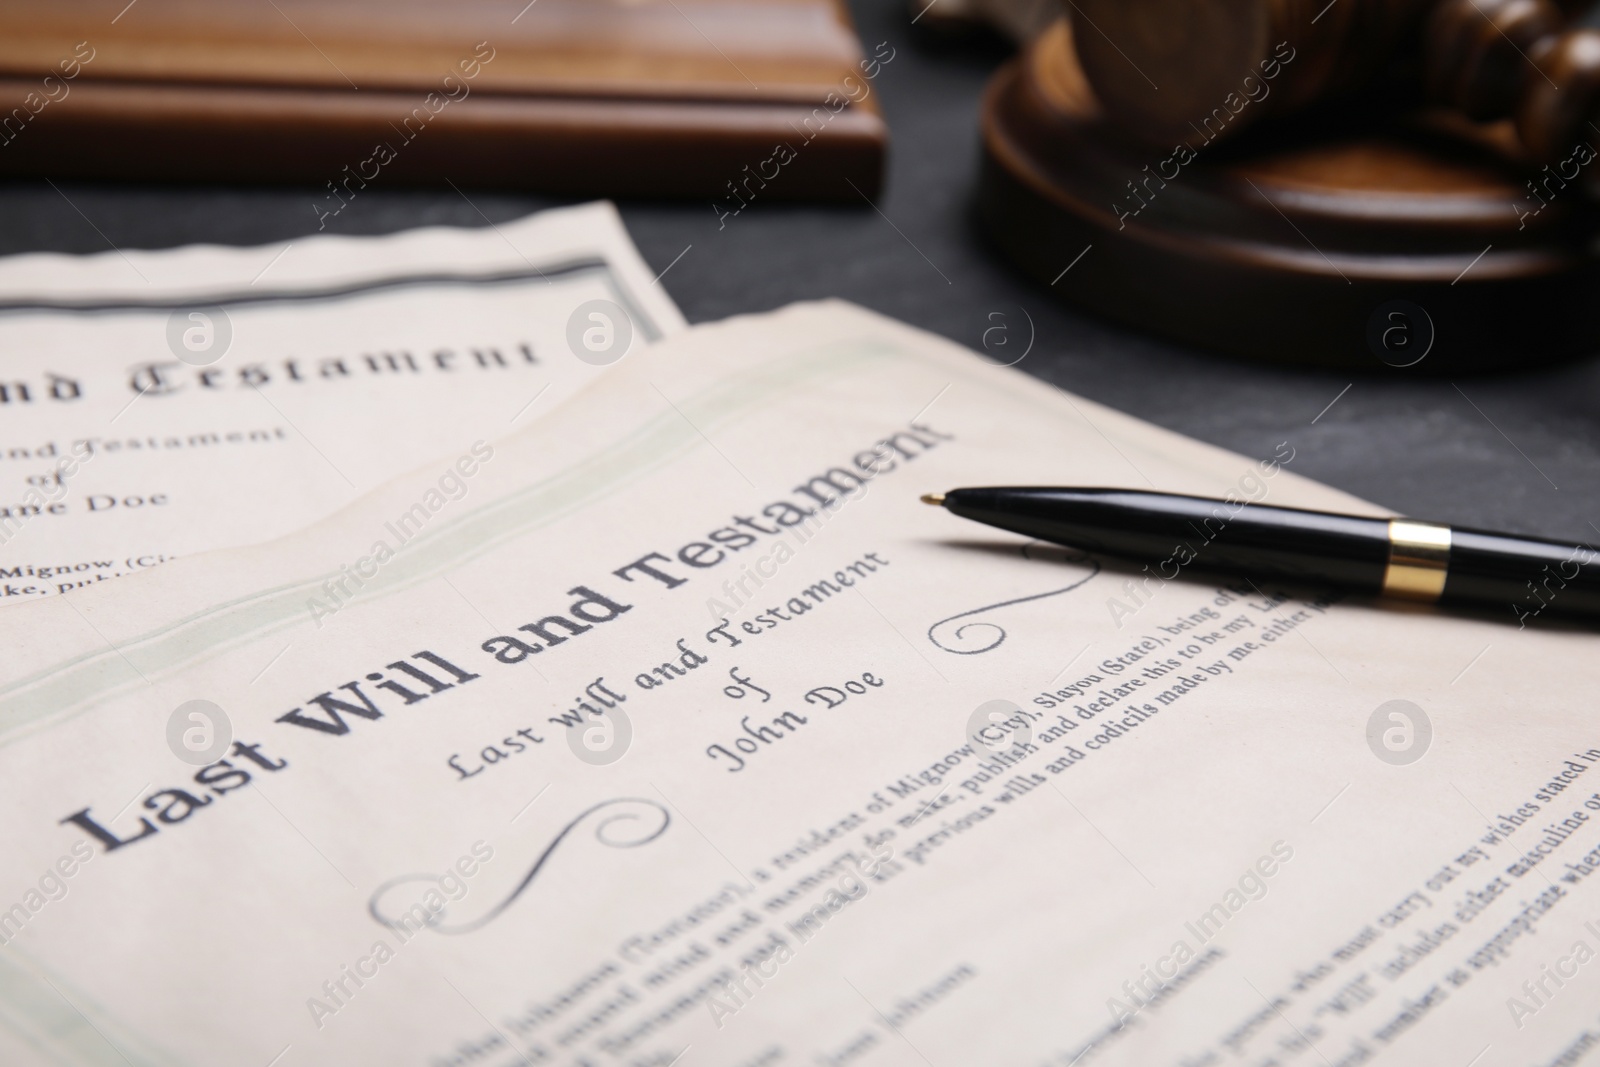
(1404, 558)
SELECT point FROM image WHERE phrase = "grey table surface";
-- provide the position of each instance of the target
(1516, 451)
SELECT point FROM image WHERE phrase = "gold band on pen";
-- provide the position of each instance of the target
(1419, 560)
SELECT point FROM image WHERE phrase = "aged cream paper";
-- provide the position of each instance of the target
(157, 404)
(688, 735)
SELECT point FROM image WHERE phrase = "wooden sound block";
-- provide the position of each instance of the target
(763, 99)
(1413, 239)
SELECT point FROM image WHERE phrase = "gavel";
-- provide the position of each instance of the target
(1166, 70)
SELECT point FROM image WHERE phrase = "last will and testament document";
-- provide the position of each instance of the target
(156, 404)
(686, 734)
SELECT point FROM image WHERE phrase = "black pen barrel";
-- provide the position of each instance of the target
(1169, 533)
(1527, 576)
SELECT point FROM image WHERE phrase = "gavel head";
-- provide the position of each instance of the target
(1167, 70)
(1162, 68)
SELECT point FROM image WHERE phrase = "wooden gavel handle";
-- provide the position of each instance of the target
(1195, 70)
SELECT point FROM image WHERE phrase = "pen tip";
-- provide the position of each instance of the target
(936, 499)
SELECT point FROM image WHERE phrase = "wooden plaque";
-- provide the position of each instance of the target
(591, 97)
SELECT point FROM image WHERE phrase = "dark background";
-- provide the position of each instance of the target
(1515, 451)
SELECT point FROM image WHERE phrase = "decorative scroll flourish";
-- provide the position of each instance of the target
(988, 636)
(629, 823)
